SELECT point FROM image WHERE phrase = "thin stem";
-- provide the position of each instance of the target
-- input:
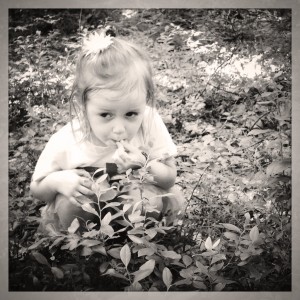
(194, 189)
(80, 20)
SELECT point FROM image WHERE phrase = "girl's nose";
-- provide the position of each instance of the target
(118, 128)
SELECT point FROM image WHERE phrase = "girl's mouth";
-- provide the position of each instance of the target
(113, 142)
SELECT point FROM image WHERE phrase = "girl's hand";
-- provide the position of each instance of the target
(72, 184)
(128, 156)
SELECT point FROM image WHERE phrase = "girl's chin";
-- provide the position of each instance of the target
(111, 143)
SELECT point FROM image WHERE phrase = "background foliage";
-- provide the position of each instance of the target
(224, 90)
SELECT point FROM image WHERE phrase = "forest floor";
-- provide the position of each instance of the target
(225, 95)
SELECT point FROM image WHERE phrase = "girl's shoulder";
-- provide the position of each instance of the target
(66, 134)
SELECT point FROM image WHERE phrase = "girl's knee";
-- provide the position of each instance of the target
(67, 212)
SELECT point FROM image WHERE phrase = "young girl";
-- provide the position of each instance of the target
(116, 122)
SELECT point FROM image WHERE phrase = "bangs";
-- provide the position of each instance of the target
(122, 67)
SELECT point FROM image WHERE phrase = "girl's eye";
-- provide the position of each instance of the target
(105, 115)
(131, 114)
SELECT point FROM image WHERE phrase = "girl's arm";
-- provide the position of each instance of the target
(129, 156)
(44, 189)
(70, 183)
(164, 173)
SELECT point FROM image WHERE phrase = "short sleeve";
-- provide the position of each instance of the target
(51, 158)
(157, 136)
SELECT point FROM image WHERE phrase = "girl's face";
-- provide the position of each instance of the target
(113, 116)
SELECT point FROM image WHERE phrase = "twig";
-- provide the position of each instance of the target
(197, 183)
(223, 125)
(258, 120)
(251, 145)
(215, 71)
(229, 92)
(190, 198)
(80, 20)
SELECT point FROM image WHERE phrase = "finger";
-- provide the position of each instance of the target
(85, 191)
(128, 146)
(120, 146)
(124, 157)
(74, 201)
(120, 165)
(82, 173)
(86, 182)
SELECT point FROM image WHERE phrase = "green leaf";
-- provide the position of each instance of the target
(170, 254)
(209, 253)
(107, 229)
(110, 194)
(73, 243)
(208, 244)
(103, 267)
(231, 227)
(112, 204)
(216, 267)
(254, 234)
(202, 268)
(219, 287)
(188, 273)
(216, 243)
(186, 281)
(52, 231)
(97, 171)
(217, 258)
(86, 251)
(126, 207)
(87, 207)
(145, 270)
(90, 243)
(242, 263)
(106, 220)
(231, 236)
(101, 178)
(167, 277)
(90, 234)
(40, 258)
(135, 287)
(74, 226)
(187, 260)
(145, 251)
(58, 273)
(136, 217)
(199, 285)
(57, 241)
(35, 245)
(113, 272)
(136, 239)
(115, 252)
(149, 265)
(244, 255)
(99, 249)
(125, 255)
(151, 232)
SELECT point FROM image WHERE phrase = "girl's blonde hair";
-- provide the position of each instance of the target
(108, 62)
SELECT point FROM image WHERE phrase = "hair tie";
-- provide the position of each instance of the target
(97, 42)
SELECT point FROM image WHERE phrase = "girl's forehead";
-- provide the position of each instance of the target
(120, 104)
(138, 94)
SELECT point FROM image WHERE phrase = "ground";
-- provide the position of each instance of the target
(223, 88)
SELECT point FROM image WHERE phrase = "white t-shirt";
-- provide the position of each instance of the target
(63, 151)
